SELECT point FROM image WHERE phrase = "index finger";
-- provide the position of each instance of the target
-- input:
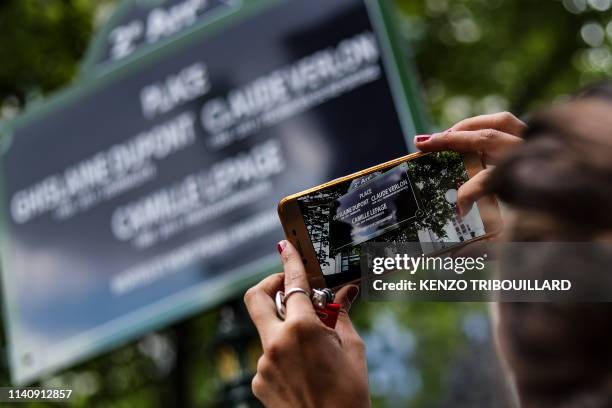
(502, 121)
(493, 143)
(298, 304)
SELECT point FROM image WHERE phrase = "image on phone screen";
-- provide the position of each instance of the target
(414, 201)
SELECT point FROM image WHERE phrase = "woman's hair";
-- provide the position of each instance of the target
(559, 183)
(565, 167)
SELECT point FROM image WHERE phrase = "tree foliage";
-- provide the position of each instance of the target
(41, 45)
(479, 56)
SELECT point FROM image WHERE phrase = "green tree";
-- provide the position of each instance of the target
(477, 56)
(41, 45)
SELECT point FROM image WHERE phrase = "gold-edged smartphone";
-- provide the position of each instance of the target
(409, 199)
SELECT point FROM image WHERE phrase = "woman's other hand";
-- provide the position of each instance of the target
(305, 363)
(494, 136)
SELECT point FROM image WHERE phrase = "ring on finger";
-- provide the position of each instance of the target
(281, 300)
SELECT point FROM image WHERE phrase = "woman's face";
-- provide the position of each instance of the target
(539, 325)
(519, 226)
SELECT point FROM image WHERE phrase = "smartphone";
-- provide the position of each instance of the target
(410, 199)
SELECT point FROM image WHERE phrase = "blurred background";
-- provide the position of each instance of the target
(473, 57)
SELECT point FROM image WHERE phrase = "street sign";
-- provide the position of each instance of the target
(148, 194)
(139, 23)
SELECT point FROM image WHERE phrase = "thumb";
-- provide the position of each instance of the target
(345, 297)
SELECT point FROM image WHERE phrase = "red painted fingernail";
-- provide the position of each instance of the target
(281, 246)
(422, 138)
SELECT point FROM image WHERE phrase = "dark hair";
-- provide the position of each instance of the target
(565, 167)
(560, 181)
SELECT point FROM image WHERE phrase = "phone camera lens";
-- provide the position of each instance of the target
(305, 261)
(294, 233)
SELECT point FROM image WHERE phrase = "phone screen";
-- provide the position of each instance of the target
(414, 201)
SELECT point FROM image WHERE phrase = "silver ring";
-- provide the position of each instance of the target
(295, 290)
(281, 300)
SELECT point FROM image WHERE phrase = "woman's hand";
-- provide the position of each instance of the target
(305, 363)
(493, 135)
